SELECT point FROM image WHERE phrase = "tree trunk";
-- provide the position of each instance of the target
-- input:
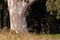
(17, 10)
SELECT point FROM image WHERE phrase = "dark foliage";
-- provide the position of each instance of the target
(40, 21)
(4, 14)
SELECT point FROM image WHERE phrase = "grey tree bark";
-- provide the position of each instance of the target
(17, 10)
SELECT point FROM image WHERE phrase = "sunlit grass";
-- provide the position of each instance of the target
(6, 34)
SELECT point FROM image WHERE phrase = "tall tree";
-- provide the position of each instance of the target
(17, 10)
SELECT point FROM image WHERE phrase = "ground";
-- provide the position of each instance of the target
(10, 35)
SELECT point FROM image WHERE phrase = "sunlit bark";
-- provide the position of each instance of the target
(17, 10)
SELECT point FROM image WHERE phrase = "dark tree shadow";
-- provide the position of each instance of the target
(37, 12)
(5, 19)
(40, 21)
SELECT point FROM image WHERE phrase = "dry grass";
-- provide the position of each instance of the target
(10, 35)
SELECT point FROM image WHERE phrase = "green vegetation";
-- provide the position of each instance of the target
(53, 6)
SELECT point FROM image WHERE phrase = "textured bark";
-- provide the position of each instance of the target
(17, 10)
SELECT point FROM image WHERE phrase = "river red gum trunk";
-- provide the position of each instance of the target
(17, 10)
